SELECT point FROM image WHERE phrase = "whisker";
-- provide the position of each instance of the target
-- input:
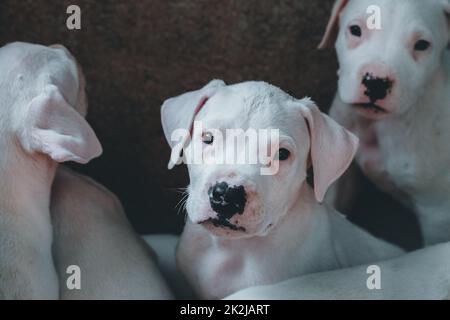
(182, 203)
(177, 190)
(183, 198)
(182, 208)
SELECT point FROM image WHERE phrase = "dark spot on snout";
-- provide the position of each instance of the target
(376, 88)
(227, 201)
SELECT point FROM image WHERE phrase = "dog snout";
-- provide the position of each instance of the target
(226, 200)
(376, 88)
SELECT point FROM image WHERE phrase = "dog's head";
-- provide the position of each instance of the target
(234, 199)
(43, 103)
(389, 52)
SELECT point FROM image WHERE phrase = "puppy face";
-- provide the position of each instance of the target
(236, 200)
(385, 71)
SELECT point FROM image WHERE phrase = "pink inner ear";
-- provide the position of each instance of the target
(53, 127)
(196, 111)
(180, 112)
(178, 151)
(332, 27)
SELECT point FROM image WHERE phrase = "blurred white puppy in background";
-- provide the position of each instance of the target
(245, 228)
(39, 127)
(42, 123)
(394, 94)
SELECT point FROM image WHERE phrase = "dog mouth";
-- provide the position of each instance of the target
(223, 223)
(369, 106)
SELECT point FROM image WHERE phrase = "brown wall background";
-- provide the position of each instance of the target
(135, 54)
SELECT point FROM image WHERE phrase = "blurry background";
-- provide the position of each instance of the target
(135, 54)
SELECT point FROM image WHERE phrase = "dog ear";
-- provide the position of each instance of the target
(81, 104)
(53, 127)
(447, 9)
(446, 4)
(179, 113)
(332, 147)
(333, 24)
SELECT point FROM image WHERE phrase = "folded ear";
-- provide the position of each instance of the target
(53, 127)
(81, 104)
(179, 113)
(332, 147)
(333, 25)
(446, 6)
(447, 9)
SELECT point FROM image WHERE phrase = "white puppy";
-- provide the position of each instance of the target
(245, 228)
(394, 94)
(40, 87)
(423, 274)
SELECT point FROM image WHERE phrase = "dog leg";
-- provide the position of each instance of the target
(92, 232)
(165, 247)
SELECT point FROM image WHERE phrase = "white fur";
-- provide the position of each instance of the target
(288, 233)
(405, 153)
(92, 232)
(421, 275)
(26, 169)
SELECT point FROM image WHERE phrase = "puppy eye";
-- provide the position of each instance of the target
(207, 138)
(422, 45)
(283, 154)
(356, 30)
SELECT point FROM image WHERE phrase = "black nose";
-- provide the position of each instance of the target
(227, 201)
(377, 88)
